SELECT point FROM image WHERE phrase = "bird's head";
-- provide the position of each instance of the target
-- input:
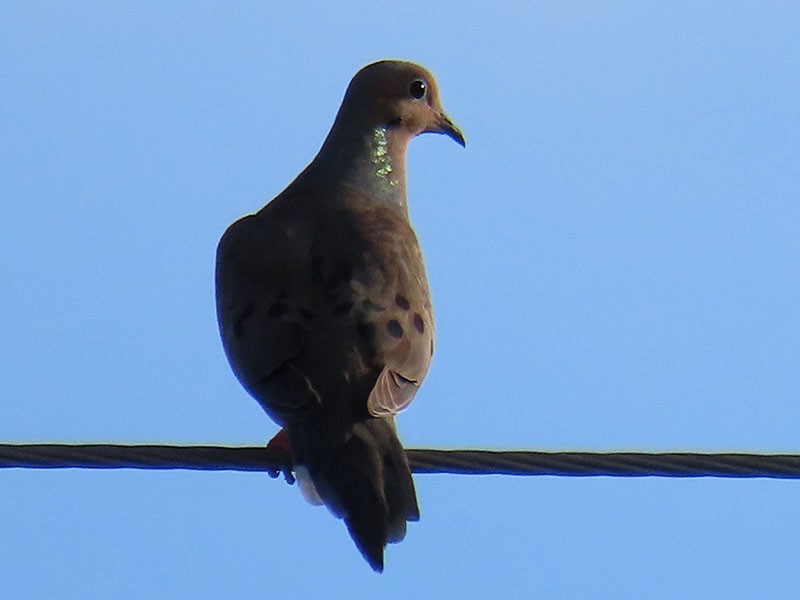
(401, 97)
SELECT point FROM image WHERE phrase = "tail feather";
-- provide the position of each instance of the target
(363, 476)
(399, 490)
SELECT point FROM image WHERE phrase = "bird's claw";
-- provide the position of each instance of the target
(280, 449)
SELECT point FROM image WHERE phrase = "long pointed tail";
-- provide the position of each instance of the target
(363, 476)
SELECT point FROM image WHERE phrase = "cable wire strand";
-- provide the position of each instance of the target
(462, 462)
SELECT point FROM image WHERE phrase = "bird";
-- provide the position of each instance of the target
(324, 307)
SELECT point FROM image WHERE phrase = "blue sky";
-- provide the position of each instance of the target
(613, 258)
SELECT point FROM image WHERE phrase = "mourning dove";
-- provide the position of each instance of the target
(324, 308)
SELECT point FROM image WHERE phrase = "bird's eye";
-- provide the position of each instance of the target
(418, 89)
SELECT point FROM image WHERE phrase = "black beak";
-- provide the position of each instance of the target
(450, 129)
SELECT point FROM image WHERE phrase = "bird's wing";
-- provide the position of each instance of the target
(263, 313)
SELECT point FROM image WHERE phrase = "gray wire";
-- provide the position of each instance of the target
(462, 462)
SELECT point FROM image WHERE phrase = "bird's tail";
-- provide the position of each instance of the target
(361, 473)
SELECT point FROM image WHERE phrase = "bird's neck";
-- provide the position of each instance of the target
(372, 161)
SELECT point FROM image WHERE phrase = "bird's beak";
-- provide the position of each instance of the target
(446, 126)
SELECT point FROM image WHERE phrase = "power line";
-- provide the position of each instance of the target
(463, 462)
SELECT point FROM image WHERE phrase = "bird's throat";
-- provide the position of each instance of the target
(382, 159)
(386, 177)
(372, 161)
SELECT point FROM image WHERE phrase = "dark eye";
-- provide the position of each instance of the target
(418, 89)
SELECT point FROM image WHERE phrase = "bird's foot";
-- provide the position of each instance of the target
(280, 449)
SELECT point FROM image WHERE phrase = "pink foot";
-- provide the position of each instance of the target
(280, 449)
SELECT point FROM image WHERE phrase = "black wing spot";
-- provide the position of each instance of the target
(238, 325)
(419, 324)
(402, 302)
(394, 328)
